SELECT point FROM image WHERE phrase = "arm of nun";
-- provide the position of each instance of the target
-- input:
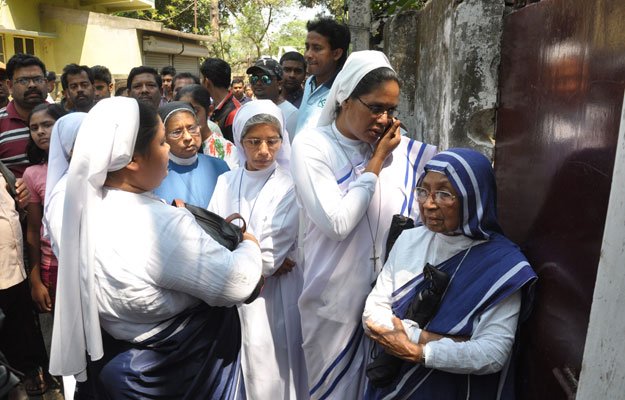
(335, 213)
(277, 241)
(378, 309)
(489, 347)
(199, 266)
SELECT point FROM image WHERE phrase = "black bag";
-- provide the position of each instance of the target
(385, 367)
(223, 231)
(399, 223)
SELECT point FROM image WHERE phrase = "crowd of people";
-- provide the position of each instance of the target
(383, 269)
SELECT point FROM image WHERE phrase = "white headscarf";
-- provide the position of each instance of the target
(247, 111)
(61, 143)
(105, 142)
(358, 64)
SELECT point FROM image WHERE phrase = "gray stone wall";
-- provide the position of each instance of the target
(447, 57)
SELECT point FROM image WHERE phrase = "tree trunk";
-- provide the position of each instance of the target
(359, 22)
(215, 31)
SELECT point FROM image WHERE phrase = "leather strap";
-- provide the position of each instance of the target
(236, 216)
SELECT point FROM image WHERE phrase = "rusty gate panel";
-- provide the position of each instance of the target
(561, 92)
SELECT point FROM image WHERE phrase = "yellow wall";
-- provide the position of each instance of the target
(85, 38)
(20, 14)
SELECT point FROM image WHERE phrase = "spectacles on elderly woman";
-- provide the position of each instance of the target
(193, 130)
(440, 197)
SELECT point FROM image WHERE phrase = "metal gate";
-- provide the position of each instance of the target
(561, 91)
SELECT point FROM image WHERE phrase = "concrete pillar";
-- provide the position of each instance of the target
(359, 24)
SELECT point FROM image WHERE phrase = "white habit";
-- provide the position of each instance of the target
(271, 357)
(338, 244)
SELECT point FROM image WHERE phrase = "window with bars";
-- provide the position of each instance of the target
(24, 45)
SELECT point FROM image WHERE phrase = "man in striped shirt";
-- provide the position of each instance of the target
(27, 82)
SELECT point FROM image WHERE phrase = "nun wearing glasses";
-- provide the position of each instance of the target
(463, 349)
(352, 173)
(262, 191)
(191, 175)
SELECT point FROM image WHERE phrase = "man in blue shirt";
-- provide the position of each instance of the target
(327, 42)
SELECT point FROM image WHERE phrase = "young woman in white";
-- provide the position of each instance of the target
(262, 191)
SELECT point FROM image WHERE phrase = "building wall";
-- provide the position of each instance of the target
(453, 104)
(90, 39)
(64, 34)
(20, 14)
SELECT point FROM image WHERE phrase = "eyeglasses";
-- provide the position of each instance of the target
(377, 110)
(266, 79)
(440, 197)
(193, 130)
(254, 143)
(25, 80)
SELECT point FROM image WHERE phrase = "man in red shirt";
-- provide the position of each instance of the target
(216, 77)
(27, 82)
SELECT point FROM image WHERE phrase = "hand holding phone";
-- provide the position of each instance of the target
(389, 140)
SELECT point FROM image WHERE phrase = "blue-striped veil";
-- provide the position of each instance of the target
(472, 176)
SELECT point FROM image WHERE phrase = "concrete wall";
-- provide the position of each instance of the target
(603, 367)
(447, 56)
(89, 38)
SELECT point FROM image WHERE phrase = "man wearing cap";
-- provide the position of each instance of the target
(266, 80)
(26, 78)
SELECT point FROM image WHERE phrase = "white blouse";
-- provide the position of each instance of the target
(153, 262)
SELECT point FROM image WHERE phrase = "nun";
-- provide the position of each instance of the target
(61, 144)
(261, 190)
(192, 176)
(145, 303)
(352, 173)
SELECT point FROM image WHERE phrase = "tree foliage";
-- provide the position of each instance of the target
(292, 34)
(176, 14)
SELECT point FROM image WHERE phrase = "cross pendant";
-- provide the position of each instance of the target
(374, 259)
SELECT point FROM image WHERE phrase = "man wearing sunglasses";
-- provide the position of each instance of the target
(266, 79)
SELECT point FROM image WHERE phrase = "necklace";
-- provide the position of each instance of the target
(374, 258)
(249, 218)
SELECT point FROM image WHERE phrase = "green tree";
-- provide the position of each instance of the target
(293, 34)
(177, 14)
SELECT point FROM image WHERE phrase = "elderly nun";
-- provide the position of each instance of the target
(192, 176)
